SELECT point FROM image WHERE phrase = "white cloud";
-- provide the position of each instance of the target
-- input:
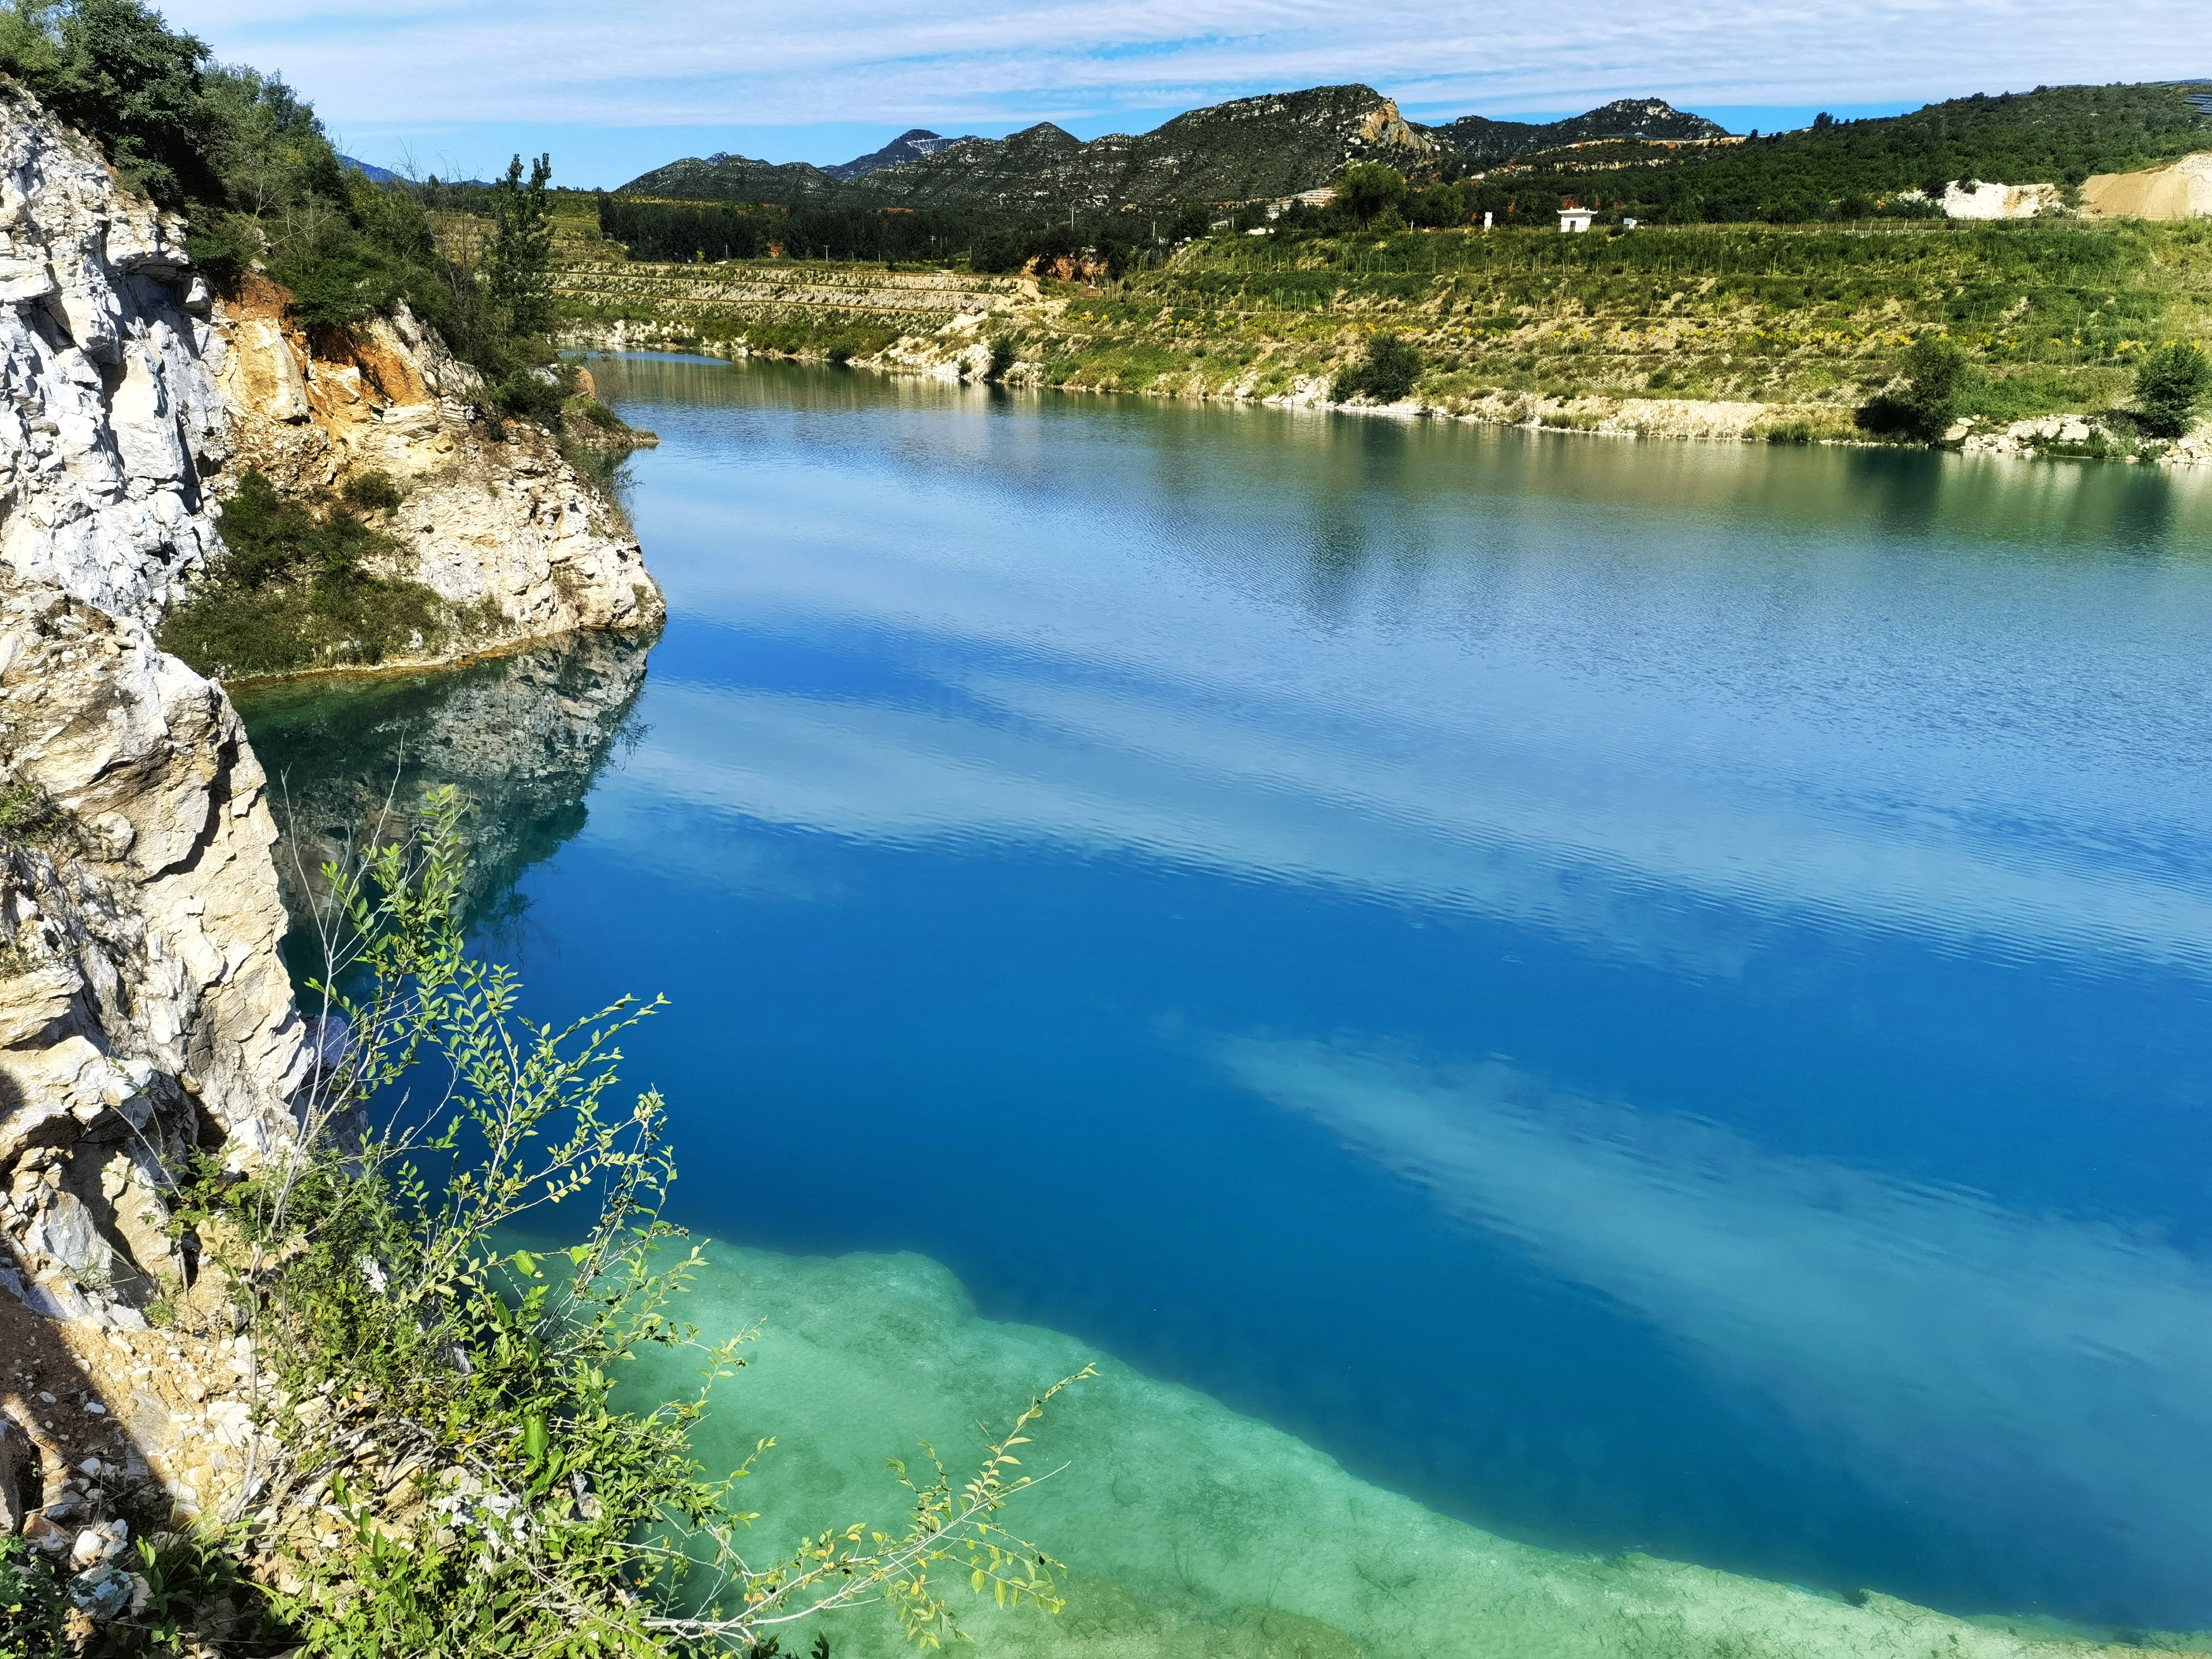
(2002, 1373)
(731, 62)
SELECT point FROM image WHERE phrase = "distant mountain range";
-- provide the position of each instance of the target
(1272, 146)
(377, 175)
(909, 146)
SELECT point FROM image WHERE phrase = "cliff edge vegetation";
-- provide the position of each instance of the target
(418, 475)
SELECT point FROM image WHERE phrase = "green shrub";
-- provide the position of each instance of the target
(525, 395)
(1002, 359)
(373, 492)
(1936, 377)
(31, 1604)
(1367, 189)
(530, 1514)
(1385, 373)
(294, 591)
(597, 413)
(2170, 385)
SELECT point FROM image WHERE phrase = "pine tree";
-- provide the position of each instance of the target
(519, 270)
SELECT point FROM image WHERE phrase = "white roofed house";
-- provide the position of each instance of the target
(1574, 219)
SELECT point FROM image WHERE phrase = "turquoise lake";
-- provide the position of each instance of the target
(1553, 1006)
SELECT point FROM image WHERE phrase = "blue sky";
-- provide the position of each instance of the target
(455, 86)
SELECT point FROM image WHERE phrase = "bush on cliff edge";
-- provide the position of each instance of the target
(447, 1397)
(296, 590)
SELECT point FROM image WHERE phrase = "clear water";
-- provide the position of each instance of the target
(1648, 999)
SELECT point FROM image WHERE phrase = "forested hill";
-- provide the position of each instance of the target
(2053, 134)
(1483, 143)
(1272, 146)
(726, 178)
(1279, 145)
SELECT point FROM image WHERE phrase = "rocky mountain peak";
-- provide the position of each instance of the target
(909, 146)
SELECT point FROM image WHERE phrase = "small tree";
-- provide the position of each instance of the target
(519, 268)
(2169, 386)
(1366, 188)
(1193, 219)
(1935, 379)
(1386, 374)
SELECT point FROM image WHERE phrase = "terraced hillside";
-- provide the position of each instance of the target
(774, 305)
(1721, 331)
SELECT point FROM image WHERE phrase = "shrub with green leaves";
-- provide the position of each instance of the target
(1368, 188)
(31, 1604)
(2171, 385)
(1385, 374)
(373, 492)
(506, 1504)
(295, 589)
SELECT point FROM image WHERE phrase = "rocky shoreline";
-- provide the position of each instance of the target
(960, 351)
(146, 1013)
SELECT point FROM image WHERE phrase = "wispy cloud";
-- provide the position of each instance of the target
(2010, 1374)
(990, 61)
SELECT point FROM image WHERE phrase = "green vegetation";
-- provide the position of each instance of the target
(1386, 374)
(451, 1474)
(1936, 375)
(1367, 188)
(249, 162)
(29, 815)
(2169, 386)
(517, 270)
(1851, 170)
(297, 589)
(996, 205)
(2049, 317)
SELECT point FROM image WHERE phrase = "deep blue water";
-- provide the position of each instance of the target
(1644, 995)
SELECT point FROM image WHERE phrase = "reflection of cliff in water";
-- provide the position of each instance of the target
(522, 737)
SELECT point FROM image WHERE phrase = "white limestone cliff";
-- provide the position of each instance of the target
(145, 1009)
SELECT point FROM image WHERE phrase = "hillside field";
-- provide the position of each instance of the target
(2054, 315)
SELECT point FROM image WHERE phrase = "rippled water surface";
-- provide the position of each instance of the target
(1645, 997)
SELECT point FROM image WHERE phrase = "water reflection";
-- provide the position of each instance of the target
(2050, 1366)
(1691, 964)
(522, 736)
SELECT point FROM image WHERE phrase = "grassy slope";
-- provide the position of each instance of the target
(2054, 314)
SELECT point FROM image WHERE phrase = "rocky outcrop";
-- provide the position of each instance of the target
(489, 513)
(145, 1010)
(144, 1013)
(109, 419)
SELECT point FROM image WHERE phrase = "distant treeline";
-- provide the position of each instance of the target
(1834, 170)
(1856, 169)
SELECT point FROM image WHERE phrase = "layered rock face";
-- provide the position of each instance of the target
(145, 1010)
(141, 982)
(487, 515)
(108, 415)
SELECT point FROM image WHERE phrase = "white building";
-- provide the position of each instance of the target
(1574, 219)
